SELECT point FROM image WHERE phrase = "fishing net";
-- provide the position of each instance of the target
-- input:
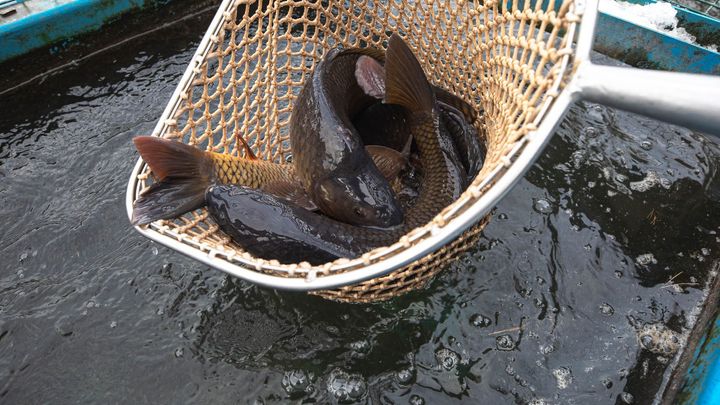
(508, 61)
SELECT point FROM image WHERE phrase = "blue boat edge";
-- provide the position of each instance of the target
(63, 22)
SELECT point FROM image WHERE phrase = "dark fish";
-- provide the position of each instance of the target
(470, 148)
(275, 229)
(183, 173)
(329, 157)
(319, 238)
(386, 124)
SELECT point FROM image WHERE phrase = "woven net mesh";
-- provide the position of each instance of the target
(508, 62)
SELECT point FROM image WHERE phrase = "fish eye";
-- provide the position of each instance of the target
(359, 212)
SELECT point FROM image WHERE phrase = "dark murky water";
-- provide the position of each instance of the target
(563, 300)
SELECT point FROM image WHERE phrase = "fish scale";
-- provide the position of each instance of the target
(251, 173)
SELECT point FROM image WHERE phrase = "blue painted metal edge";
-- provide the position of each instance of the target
(64, 21)
(702, 382)
(640, 46)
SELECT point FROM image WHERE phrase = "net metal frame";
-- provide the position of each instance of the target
(513, 62)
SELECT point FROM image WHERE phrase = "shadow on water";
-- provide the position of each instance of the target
(595, 260)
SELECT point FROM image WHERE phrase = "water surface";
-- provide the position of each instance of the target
(605, 245)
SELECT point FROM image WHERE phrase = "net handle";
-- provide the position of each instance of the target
(690, 100)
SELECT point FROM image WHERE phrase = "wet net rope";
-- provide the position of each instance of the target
(508, 61)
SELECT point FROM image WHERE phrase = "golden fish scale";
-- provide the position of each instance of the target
(250, 173)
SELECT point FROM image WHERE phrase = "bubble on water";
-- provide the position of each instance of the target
(705, 251)
(179, 352)
(503, 216)
(537, 401)
(23, 256)
(345, 387)
(646, 259)
(295, 382)
(405, 376)
(563, 377)
(542, 206)
(627, 398)
(154, 250)
(416, 400)
(360, 348)
(618, 273)
(647, 145)
(113, 324)
(590, 132)
(659, 339)
(505, 342)
(447, 358)
(547, 349)
(607, 383)
(480, 321)
(651, 180)
(166, 267)
(160, 311)
(606, 309)
(621, 178)
(591, 184)
(20, 273)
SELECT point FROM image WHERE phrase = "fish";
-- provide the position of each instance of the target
(183, 173)
(319, 238)
(385, 124)
(328, 153)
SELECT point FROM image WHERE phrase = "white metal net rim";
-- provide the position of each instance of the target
(472, 205)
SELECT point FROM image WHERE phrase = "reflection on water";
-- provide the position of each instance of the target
(587, 275)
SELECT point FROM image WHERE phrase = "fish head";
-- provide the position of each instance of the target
(360, 199)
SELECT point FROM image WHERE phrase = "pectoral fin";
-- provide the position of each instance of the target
(389, 161)
(291, 191)
(370, 76)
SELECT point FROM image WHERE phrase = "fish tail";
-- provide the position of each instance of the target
(405, 80)
(183, 173)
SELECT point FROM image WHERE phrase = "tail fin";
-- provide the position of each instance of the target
(405, 80)
(183, 173)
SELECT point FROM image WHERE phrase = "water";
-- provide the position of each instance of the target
(576, 293)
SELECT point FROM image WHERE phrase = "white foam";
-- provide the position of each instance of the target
(658, 16)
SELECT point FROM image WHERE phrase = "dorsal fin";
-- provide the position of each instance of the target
(249, 154)
(405, 81)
